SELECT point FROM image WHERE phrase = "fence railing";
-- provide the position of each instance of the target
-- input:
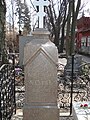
(7, 92)
(74, 89)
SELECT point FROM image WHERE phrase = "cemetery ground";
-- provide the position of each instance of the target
(80, 91)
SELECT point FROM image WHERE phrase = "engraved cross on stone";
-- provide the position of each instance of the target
(41, 13)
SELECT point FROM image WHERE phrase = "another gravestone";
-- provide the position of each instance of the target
(40, 61)
(77, 63)
(23, 40)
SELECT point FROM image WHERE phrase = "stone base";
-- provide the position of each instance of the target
(41, 113)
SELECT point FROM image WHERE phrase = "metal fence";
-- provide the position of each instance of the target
(7, 92)
(11, 88)
(73, 88)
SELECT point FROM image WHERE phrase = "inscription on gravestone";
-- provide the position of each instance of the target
(38, 82)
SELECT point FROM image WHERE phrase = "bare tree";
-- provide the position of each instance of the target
(73, 11)
(63, 27)
(65, 19)
(23, 16)
(56, 20)
(2, 30)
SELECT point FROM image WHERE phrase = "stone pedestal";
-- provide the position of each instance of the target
(40, 61)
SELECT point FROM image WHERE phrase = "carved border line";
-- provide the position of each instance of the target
(44, 52)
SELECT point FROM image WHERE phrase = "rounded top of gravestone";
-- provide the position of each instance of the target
(41, 31)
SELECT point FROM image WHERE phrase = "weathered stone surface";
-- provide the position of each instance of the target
(23, 40)
(40, 60)
(41, 114)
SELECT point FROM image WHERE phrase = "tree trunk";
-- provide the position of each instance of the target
(2, 30)
(56, 39)
(71, 28)
(73, 25)
(67, 42)
(62, 39)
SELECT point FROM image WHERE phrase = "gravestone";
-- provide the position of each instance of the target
(23, 40)
(77, 64)
(40, 65)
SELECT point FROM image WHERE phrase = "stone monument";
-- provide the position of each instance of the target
(23, 40)
(76, 69)
(40, 65)
(40, 61)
